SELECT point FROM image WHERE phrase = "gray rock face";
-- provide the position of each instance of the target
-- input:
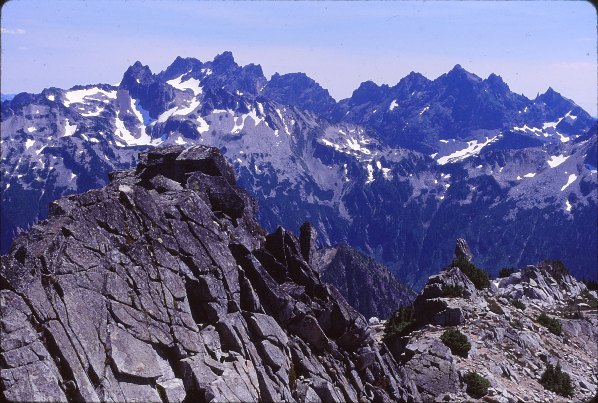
(433, 368)
(162, 287)
(433, 305)
(462, 250)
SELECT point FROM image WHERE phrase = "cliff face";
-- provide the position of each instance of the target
(367, 285)
(162, 287)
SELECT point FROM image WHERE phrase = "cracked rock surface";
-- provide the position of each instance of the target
(162, 287)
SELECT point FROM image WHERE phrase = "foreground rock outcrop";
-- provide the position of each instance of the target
(162, 287)
(510, 344)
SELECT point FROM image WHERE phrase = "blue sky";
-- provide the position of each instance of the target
(531, 44)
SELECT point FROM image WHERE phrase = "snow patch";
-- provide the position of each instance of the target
(571, 179)
(29, 143)
(166, 114)
(31, 129)
(179, 140)
(556, 160)
(424, 110)
(473, 148)
(526, 128)
(69, 129)
(203, 125)
(370, 170)
(189, 84)
(393, 105)
(79, 96)
(567, 206)
(127, 137)
(190, 108)
(529, 175)
(563, 138)
(51, 97)
(94, 113)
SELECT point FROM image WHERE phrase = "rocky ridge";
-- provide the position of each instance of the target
(162, 287)
(510, 346)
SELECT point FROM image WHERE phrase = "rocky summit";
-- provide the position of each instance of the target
(161, 286)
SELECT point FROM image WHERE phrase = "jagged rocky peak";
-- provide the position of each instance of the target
(225, 60)
(161, 286)
(308, 239)
(297, 89)
(462, 250)
(554, 104)
(411, 83)
(368, 91)
(137, 75)
(180, 66)
(496, 83)
(458, 74)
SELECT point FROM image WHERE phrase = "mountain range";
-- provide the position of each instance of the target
(397, 172)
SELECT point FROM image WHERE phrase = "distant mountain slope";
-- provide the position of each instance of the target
(393, 171)
(367, 285)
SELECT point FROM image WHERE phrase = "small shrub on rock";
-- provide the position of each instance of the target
(479, 277)
(399, 324)
(553, 325)
(494, 307)
(518, 304)
(557, 381)
(452, 291)
(456, 341)
(477, 385)
(590, 284)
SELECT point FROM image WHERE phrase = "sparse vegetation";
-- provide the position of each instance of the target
(479, 277)
(590, 284)
(518, 304)
(553, 325)
(399, 324)
(477, 385)
(452, 291)
(456, 341)
(557, 381)
(506, 272)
